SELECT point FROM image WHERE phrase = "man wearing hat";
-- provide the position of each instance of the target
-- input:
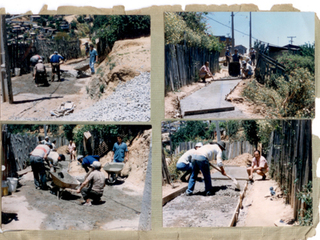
(184, 162)
(88, 161)
(37, 158)
(200, 162)
(46, 140)
(93, 57)
(96, 181)
(55, 64)
(39, 70)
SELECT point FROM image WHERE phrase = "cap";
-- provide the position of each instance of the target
(222, 144)
(79, 157)
(244, 62)
(96, 164)
(40, 60)
(199, 144)
(49, 144)
(55, 52)
(46, 137)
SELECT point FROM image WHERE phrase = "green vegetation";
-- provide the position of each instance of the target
(305, 214)
(118, 27)
(189, 28)
(292, 95)
(28, 128)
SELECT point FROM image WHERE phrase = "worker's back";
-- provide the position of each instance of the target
(208, 152)
(98, 181)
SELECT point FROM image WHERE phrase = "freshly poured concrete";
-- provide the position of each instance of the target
(209, 99)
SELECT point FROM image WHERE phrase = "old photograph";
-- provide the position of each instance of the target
(239, 65)
(75, 67)
(253, 173)
(76, 177)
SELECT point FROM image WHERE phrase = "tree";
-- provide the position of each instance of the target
(251, 130)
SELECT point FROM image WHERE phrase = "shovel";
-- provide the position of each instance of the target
(235, 182)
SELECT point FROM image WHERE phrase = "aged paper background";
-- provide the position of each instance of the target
(157, 115)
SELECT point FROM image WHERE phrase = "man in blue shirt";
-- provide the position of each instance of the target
(88, 160)
(55, 64)
(93, 57)
(120, 151)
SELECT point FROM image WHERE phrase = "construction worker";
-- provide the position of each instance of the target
(204, 72)
(55, 64)
(96, 181)
(184, 162)
(120, 151)
(228, 57)
(37, 158)
(93, 58)
(247, 70)
(253, 56)
(46, 140)
(39, 72)
(88, 161)
(259, 165)
(87, 49)
(236, 56)
(200, 162)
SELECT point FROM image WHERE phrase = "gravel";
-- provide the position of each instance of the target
(129, 102)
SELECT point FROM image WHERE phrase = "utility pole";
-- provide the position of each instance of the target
(250, 27)
(232, 32)
(218, 130)
(5, 64)
(291, 41)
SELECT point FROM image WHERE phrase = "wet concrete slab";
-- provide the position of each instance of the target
(209, 99)
(199, 210)
(239, 173)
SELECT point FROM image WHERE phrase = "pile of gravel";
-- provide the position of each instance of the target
(129, 102)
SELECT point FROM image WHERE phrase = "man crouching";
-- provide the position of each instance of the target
(94, 190)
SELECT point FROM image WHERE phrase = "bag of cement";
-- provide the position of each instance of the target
(64, 109)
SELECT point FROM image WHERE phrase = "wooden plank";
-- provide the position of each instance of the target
(178, 191)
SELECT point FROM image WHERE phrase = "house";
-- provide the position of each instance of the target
(34, 18)
(241, 49)
(227, 41)
(276, 51)
(294, 49)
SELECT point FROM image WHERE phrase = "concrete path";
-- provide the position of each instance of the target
(239, 173)
(210, 99)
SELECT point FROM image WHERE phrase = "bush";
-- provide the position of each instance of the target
(293, 98)
(305, 214)
(292, 62)
(62, 36)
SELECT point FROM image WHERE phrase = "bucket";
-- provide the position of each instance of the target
(17, 71)
(12, 184)
(4, 188)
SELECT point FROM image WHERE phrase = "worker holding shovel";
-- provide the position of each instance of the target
(200, 162)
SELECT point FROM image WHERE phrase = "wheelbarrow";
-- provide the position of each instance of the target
(113, 169)
(64, 182)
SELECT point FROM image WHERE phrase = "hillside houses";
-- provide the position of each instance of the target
(28, 28)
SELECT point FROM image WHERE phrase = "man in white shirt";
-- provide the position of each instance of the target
(200, 162)
(204, 72)
(247, 70)
(259, 165)
(184, 162)
(37, 158)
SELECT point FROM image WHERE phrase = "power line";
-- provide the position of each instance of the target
(236, 29)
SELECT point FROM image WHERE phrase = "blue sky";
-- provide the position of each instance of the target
(270, 27)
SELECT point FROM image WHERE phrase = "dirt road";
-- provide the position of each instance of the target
(261, 210)
(33, 103)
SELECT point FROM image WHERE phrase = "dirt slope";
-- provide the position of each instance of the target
(135, 169)
(126, 60)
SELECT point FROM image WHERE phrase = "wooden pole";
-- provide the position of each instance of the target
(7, 67)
